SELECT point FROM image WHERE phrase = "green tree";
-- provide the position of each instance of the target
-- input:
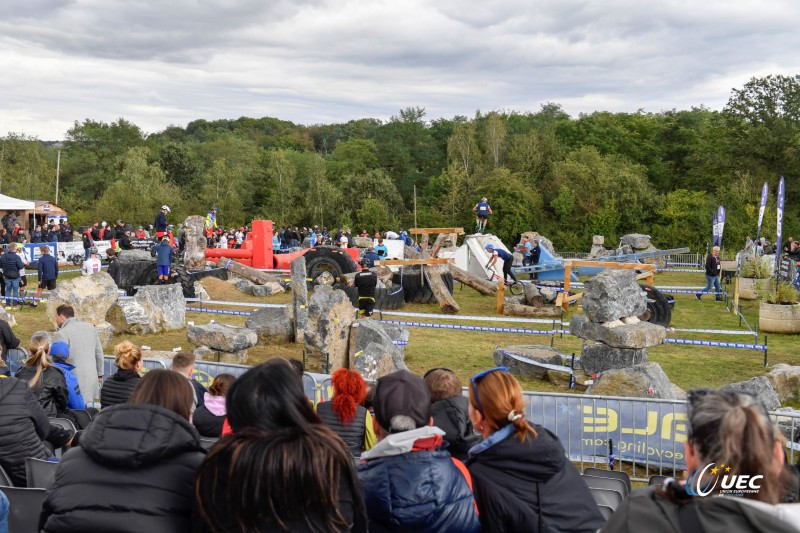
(494, 137)
(26, 169)
(462, 148)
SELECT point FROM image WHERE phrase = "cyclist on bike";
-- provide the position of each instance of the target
(508, 261)
(482, 211)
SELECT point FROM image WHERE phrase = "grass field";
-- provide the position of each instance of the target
(468, 352)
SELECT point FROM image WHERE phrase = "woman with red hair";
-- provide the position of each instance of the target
(345, 414)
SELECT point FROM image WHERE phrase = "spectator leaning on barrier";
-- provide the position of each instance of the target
(523, 480)
(409, 483)
(135, 468)
(47, 273)
(725, 428)
(450, 411)
(85, 350)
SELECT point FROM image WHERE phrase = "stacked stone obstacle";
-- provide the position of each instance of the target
(632, 243)
(613, 336)
(228, 344)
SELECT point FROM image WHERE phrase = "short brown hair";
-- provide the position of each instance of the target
(183, 360)
(65, 310)
(166, 389)
(442, 384)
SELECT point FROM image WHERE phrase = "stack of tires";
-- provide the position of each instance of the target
(417, 288)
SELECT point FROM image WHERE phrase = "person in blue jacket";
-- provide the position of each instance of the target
(163, 259)
(59, 351)
(48, 273)
(507, 257)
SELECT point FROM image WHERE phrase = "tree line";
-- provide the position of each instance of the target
(568, 178)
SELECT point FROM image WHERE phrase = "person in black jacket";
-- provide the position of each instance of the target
(522, 479)
(11, 265)
(24, 424)
(118, 387)
(713, 270)
(46, 381)
(209, 417)
(135, 468)
(450, 411)
(47, 272)
(345, 415)
(282, 469)
(113, 266)
(8, 341)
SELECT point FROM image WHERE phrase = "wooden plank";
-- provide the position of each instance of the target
(611, 264)
(407, 262)
(427, 231)
(501, 286)
(560, 299)
(567, 276)
(574, 297)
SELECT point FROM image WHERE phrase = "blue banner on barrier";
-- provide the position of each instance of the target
(631, 430)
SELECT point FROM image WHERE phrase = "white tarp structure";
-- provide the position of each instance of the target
(8, 203)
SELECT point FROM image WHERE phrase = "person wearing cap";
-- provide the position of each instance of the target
(140, 233)
(482, 212)
(47, 273)
(371, 256)
(59, 352)
(85, 352)
(522, 478)
(93, 265)
(160, 224)
(163, 259)
(409, 482)
(211, 218)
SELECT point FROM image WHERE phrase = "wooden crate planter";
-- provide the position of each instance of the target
(747, 287)
(779, 318)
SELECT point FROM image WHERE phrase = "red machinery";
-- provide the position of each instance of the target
(257, 250)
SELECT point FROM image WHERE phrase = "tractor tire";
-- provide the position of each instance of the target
(386, 299)
(415, 290)
(659, 307)
(187, 282)
(328, 259)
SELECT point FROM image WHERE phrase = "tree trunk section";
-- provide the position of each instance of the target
(195, 255)
(300, 298)
(484, 287)
(447, 304)
(526, 310)
(249, 273)
(437, 246)
(384, 274)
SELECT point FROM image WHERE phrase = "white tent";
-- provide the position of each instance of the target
(8, 203)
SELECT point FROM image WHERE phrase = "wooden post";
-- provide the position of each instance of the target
(735, 306)
(438, 244)
(447, 304)
(501, 285)
(567, 276)
(299, 298)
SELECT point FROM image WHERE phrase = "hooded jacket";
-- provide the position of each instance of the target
(209, 417)
(50, 391)
(451, 415)
(415, 491)
(75, 399)
(530, 486)
(118, 387)
(24, 424)
(134, 471)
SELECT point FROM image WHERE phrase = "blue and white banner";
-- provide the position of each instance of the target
(721, 223)
(714, 231)
(762, 208)
(779, 241)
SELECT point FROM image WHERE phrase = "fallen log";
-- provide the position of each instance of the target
(249, 273)
(512, 309)
(485, 287)
(447, 304)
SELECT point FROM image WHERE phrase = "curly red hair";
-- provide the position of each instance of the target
(349, 391)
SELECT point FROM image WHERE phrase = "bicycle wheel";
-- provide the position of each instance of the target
(517, 288)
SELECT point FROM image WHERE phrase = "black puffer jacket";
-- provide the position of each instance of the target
(134, 472)
(118, 388)
(531, 486)
(24, 424)
(208, 424)
(50, 390)
(452, 416)
(353, 433)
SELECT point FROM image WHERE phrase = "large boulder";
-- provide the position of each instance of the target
(222, 337)
(637, 335)
(761, 388)
(375, 349)
(268, 289)
(532, 296)
(785, 380)
(194, 257)
(613, 294)
(204, 353)
(327, 332)
(647, 380)
(527, 360)
(90, 296)
(598, 357)
(154, 309)
(637, 241)
(272, 324)
(105, 332)
(135, 255)
(362, 242)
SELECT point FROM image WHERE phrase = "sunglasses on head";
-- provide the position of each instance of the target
(474, 383)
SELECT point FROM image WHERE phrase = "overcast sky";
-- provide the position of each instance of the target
(158, 63)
